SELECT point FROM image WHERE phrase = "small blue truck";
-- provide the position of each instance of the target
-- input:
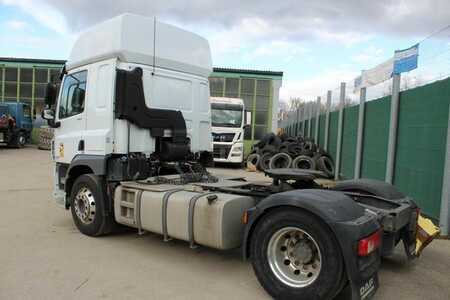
(15, 124)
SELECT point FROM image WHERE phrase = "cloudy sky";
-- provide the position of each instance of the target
(316, 44)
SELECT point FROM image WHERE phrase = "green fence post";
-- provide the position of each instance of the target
(327, 121)
(360, 134)
(224, 86)
(3, 83)
(18, 84)
(33, 90)
(393, 126)
(309, 119)
(253, 109)
(302, 120)
(339, 133)
(270, 111)
(316, 129)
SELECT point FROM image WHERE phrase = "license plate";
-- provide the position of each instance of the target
(368, 288)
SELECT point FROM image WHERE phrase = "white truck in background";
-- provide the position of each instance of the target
(132, 137)
(228, 121)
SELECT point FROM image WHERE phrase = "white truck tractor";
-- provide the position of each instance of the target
(132, 137)
(228, 120)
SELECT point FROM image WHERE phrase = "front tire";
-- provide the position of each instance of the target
(18, 141)
(21, 140)
(296, 256)
(87, 204)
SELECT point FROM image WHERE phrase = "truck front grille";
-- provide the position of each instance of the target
(221, 151)
(223, 137)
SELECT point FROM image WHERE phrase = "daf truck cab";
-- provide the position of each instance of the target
(126, 97)
(228, 120)
(132, 139)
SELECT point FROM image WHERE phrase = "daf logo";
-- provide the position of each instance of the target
(365, 290)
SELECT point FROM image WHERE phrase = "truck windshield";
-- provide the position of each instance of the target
(226, 116)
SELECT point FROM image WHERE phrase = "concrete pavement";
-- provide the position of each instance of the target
(43, 256)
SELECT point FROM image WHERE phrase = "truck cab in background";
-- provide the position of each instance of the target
(15, 124)
(228, 120)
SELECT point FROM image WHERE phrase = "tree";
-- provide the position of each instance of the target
(295, 103)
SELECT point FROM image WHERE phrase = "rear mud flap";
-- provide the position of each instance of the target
(360, 291)
(367, 289)
(426, 232)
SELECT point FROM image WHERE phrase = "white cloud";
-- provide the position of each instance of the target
(240, 36)
(369, 55)
(309, 89)
(279, 48)
(347, 39)
(42, 12)
(346, 21)
(16, 25)
(254, 30)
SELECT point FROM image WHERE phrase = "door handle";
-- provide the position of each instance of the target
(81, 145)
(79, 119)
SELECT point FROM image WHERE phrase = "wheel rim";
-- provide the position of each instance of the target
(22, 140)
(294, 257)
(84, 205)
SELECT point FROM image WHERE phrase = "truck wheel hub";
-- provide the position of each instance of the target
(84, 206)
(294, 257)
(302, 252)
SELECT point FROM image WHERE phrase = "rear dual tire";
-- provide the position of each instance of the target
(310, 273)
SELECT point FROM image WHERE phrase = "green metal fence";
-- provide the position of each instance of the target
(421, 145)
(376, 132)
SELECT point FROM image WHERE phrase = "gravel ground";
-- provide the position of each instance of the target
(43, 256)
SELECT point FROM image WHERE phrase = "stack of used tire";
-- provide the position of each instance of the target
(45, 138)
(273, 152)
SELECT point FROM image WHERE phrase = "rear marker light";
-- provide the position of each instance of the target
(245, 218)
(369, 244)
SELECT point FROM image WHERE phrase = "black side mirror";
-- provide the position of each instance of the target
(50, 94)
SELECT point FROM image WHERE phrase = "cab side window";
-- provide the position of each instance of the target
(73, 94)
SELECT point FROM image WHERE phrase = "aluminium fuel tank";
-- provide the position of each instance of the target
(183, 212)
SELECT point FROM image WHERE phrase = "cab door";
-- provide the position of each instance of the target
(68, 141)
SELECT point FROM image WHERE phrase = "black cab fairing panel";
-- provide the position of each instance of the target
(349, 222)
